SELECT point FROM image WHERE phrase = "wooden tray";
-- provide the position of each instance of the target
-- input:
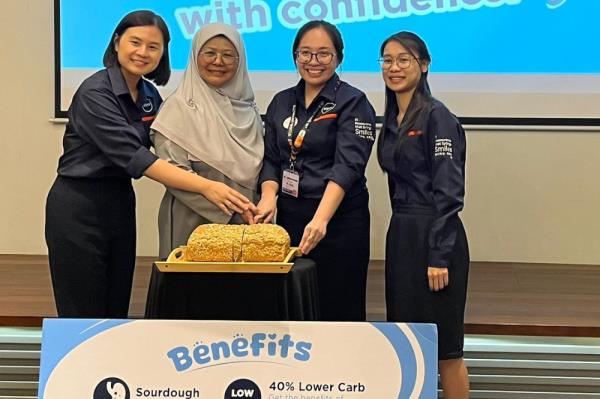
(176, 263)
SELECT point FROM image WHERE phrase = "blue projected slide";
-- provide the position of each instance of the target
(485, 52)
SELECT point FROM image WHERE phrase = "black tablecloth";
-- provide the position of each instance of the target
(235, 296)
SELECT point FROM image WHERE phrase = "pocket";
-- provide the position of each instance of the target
(410, 152)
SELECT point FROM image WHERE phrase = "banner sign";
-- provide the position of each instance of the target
(126, 359)
(465, 36)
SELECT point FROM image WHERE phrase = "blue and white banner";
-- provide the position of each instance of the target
(465, 36)
(124, 359)
(490, 58)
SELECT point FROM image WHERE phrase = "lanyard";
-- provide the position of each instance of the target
(296, 145)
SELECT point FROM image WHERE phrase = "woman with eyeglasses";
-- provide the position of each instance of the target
(90, 209)
(422, 149)
(211, 127)
(318, 138)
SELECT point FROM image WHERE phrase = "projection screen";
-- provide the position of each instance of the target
(494, 61)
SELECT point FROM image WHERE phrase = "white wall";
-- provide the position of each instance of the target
(531, 196)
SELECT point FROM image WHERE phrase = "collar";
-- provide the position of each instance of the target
(327, 92)
(119, 86)
(117, 81)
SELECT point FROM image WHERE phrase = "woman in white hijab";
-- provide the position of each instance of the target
(210, 126)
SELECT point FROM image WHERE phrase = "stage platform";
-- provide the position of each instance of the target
(533, 330)
(503, 298)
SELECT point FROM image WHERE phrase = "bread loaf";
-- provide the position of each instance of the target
(238, 243)
(265, 243)
(215, 243)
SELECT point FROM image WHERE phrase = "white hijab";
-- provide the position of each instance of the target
(220, 126)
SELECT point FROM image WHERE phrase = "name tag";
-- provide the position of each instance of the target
(290, 183)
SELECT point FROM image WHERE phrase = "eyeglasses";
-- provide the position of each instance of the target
(403, 61)
(323, 57)
(210, 56)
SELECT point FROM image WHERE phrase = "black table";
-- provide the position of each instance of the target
(235, 296)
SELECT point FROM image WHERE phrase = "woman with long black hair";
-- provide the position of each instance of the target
(422, 148)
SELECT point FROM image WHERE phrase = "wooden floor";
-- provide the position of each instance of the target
(503, 298)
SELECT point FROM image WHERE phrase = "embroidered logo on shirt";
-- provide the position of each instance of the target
(443, 148)
(414, 133)
(147, 107)
(327, 108)
(363, 129)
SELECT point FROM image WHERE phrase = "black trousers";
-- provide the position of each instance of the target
(90, 233)
(342, 257)
(407, 294)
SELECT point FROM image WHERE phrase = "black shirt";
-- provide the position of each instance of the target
(338, 142)
(426, 167)
(108, 133)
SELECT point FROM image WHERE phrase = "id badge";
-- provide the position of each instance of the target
(290, 182)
